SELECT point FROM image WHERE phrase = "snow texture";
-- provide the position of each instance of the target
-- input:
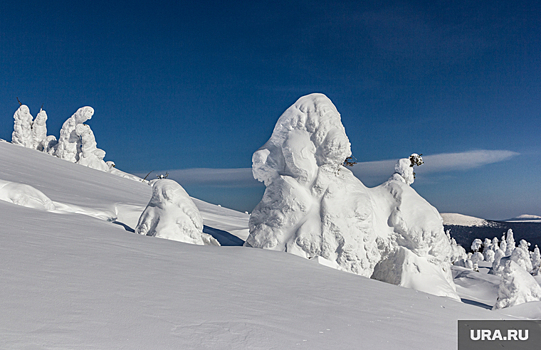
(171, 214)
(314, 207)
(517, 286)
(22, 127)
(24, 195)
(69, 142)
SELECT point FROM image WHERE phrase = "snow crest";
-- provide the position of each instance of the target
(171, 214)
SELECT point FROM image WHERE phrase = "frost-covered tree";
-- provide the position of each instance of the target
(498, 255)
(477, 257)
(524, 244)
(458, 252)
(495, 244)
(22, 127)
(536, 258)
(404, 167)
(516, 287)
(313, 206)
(476, 245)
(510, 240)
(69, 142)
(90, 155)
(489, 256)
(39, 131)
(487, 244)
(522, 257)
(503, 245)
(171, 214)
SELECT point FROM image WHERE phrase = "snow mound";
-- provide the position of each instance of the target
(315, 207)
(171, 214)
(406, 269)
(463, 220)
(25, 195)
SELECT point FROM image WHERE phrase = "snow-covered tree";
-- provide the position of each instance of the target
(489, 256)
(495, 244)
(22, 127)
(487, 244)
(536, 258)
(503, 245)
(510, 240)
(476, 245)
(498, 255)
(516, 287)
(313, 206)
(458, 252)
(524, 245)
(477, 257)
(90, 155)
(39, 131)
(69, 142)
(171, 214)
(522, 257)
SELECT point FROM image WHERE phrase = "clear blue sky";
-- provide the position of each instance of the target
(200, 84)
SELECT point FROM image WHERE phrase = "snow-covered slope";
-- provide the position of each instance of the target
(73, 279)
(462, 220)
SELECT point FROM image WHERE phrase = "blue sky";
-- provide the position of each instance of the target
(180, 85)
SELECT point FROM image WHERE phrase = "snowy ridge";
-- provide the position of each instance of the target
(463, 220)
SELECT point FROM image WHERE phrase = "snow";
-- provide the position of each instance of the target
(313, 206)
(78, 277)
(69, 142)
(462, 220)
(22, 127)
(171, 214)
(517, 286)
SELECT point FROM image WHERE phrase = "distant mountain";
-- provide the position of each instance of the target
(525, 218)
(464, 220)
(464, 229)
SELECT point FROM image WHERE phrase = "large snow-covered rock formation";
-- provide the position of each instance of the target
(171, 214)
(314, 206)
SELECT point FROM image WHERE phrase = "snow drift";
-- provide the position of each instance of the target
(313, 206)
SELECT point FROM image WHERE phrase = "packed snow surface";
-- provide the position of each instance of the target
(78, 277)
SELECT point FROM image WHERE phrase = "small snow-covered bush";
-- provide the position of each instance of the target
(171, 214)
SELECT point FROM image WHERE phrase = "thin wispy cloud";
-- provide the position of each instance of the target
(378, 171)
(369, 172)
